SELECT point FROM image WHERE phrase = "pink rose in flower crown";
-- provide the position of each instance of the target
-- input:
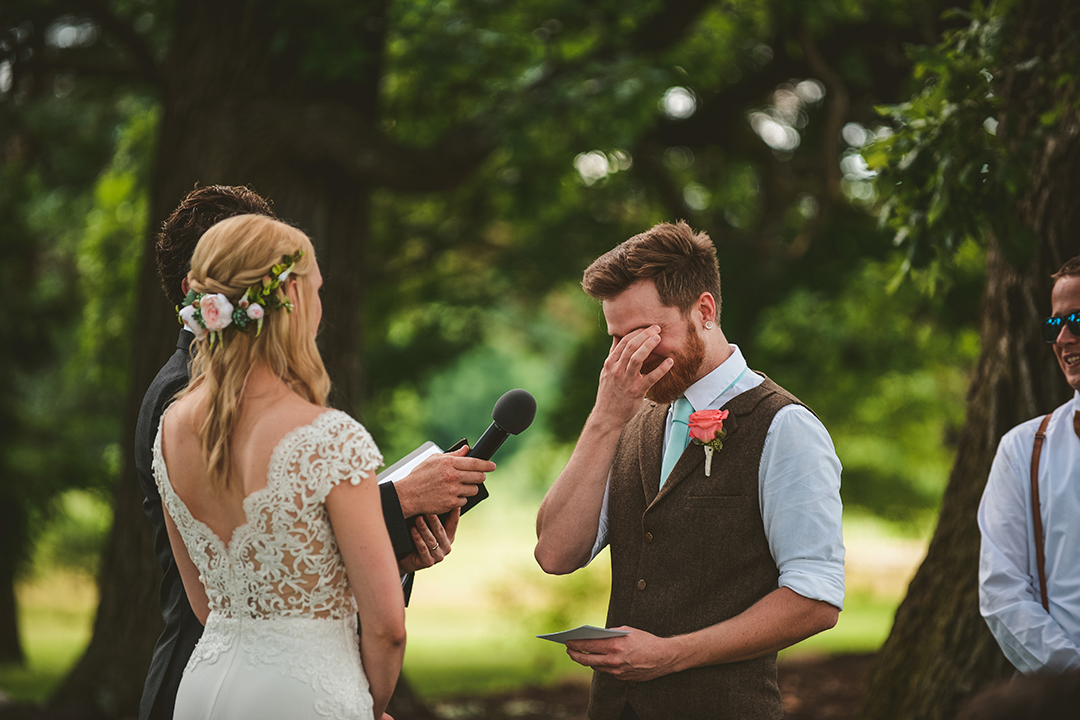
(255, 312)
(216, 311)
(187, 316)
(707, 429)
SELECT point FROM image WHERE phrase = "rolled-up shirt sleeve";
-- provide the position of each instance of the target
(602, 527)
(1009, 597)
(800, 505)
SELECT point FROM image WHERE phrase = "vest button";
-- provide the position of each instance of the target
(648, 537)
(640, 584)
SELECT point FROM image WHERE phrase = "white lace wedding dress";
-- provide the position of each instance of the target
(280, 641)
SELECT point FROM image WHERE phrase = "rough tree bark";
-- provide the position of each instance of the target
(12, 517)
(940, 651)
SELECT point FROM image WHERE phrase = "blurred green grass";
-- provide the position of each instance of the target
(472, 619)
(56, 615)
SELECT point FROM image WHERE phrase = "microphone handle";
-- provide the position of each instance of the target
(489, 442)
(485, 447)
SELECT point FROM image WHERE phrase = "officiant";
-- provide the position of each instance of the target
(717, 491)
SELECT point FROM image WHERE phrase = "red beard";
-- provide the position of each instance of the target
(682, 374)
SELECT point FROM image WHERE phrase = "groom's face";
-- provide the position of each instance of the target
(639, 307)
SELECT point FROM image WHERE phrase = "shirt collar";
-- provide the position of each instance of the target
(703, 392)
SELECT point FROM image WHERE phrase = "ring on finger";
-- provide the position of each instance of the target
(434, 547)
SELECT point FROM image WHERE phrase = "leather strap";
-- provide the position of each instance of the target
(1040, 553)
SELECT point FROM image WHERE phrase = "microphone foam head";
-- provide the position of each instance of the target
(514, 411)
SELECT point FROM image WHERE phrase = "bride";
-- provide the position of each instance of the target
(270, 498)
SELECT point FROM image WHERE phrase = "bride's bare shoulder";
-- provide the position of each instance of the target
(186, 411)
(279, 418)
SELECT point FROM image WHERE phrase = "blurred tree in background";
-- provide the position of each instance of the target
(457, 165)
(987, 150)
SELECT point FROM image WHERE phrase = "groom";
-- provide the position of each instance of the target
(713, 570)
(439, 484)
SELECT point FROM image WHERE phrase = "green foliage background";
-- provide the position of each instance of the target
(474, 290)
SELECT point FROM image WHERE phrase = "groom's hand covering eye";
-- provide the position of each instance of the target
(622, 383)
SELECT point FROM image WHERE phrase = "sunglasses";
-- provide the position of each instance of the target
(1051, 326)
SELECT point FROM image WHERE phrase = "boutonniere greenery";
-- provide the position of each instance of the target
(707, 430)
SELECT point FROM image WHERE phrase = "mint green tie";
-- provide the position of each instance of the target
(678, 438)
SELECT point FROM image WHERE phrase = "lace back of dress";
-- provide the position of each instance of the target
(283, 561)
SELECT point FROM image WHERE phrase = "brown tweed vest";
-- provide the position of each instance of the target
(690, 556)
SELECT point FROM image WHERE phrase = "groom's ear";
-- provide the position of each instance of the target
(185, 286)
(706, 305)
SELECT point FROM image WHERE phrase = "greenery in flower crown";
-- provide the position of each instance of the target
(248, 312)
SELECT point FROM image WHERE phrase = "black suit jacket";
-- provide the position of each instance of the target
(182, 628)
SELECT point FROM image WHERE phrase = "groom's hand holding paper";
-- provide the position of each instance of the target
(634, 655)
(583, 632)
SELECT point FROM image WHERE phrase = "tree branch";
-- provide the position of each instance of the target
(333, 133)
(84, 67)
(668, 26)
(347, 139)
(837, 106)
(145, 65)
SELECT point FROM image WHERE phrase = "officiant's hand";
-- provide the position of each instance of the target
(432, 540)
(441, 483)
(637, 656)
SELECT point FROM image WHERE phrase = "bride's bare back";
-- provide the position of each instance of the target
(269, 410)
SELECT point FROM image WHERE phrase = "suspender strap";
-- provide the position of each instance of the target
(1040, 553)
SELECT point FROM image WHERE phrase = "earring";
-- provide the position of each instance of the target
(709, 325)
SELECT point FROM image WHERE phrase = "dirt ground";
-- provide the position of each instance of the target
(816, 688)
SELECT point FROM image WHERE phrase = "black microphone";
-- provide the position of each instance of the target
(512, 415)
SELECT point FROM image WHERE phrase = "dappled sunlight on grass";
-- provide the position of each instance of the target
(472, 619)
(56, 615)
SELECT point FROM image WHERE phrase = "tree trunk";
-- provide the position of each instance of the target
(11, 650)
(940, 651)
(13, 521)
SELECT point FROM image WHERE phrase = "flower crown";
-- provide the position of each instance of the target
(210, 313)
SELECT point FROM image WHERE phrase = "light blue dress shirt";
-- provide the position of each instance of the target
(798, 487)
(1009, 597)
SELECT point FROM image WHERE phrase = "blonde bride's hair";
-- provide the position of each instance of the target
(232, 256)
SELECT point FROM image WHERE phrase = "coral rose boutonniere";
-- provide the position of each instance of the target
(707, 429)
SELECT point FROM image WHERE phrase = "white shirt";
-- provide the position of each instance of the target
(798, 487)
(1009, 594)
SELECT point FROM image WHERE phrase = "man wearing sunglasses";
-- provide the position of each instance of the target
(1029, 566)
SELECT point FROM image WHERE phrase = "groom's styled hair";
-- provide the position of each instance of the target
(680, 262)
(198, 212)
